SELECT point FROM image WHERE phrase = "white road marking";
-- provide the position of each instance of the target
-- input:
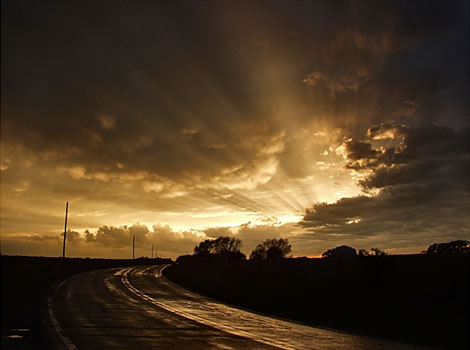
(67, 342)
(120, 272)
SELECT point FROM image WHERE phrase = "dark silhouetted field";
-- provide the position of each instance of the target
(414, 298)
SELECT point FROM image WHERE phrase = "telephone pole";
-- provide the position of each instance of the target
(152, 251)
(133, 247)
(65, 228)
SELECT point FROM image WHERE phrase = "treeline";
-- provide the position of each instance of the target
(448, 248)
(229, 249)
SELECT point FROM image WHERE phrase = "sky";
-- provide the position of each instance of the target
(324, 122)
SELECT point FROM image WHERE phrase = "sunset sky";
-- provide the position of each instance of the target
(325, 122)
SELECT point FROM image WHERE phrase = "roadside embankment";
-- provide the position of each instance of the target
(412, 298)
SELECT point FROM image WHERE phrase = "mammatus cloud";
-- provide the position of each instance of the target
(421, 185)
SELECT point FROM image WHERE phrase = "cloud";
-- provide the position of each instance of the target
(170, 119)
(41, 238)
(164, 239)
(111, 241)
(423, 190)
(73, 237)
(214, 232)
(336, 85)
(387, 131)
(117, 236)
(176, 242)
(426, 155)
(107, 121)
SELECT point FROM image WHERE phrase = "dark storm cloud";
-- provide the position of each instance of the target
(396, 61)
(101, 84)
(424, 189)
(360, 150)
(425, 154)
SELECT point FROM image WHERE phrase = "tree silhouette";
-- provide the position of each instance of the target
(378, 252)
(341, 251)
(204, 248)
(227, 247)
(363, 252)
(453, 247)
(276, 248)
(373, 252)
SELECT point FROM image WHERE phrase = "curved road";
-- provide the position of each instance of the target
(138, 308)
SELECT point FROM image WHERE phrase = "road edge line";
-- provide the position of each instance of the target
(52, 329)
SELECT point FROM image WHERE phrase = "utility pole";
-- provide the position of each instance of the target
(133, 247)
(65, 228)
(152, 251)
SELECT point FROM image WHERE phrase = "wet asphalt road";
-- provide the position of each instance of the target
(138, 308)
